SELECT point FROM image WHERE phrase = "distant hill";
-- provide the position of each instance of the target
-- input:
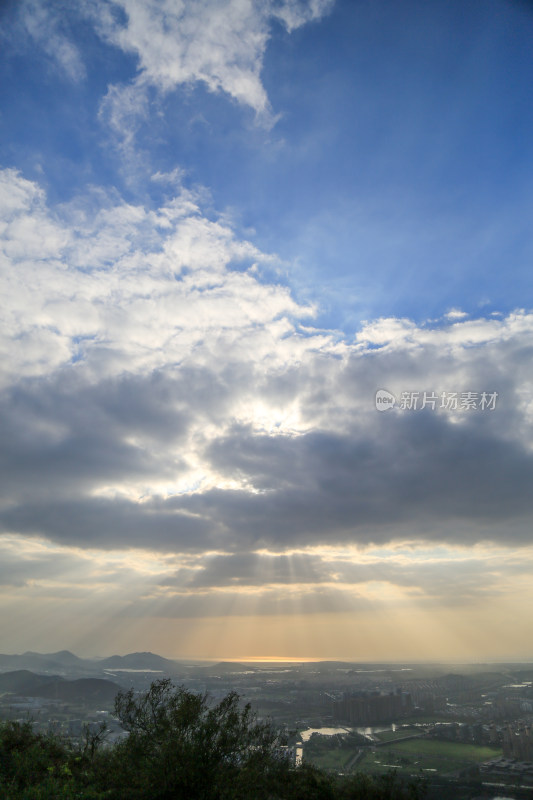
(48, 662)
(28, 684)
(65, 657)
(67, 664)
(146, 661)
(22, 680)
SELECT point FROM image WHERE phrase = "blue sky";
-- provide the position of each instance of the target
(225, 225)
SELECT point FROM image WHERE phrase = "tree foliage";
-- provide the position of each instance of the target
(179, 746)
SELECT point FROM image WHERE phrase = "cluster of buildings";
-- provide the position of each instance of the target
(370, 708)
(508, 770)
(517, 741)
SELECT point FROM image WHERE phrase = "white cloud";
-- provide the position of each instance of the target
(386, 331)
(392, 333)
(295, 13)
(456, 313)
(145, 287)
(44, 24)
(220, 43)
(122, 108)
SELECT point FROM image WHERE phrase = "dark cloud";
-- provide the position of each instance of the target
(418, 474)
(17, 569)
(411, 469)
(250, 569)
(110, 523)
(67, 435)
(431, 579)
(82, 459)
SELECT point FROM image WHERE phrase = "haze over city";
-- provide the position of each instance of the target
(266, 330)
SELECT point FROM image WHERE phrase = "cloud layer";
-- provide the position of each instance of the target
(159, 392)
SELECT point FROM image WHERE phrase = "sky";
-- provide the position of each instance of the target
(266, 336)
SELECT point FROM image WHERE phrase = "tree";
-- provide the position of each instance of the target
(181, 747)
(26, 757)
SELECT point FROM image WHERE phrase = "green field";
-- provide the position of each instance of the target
(425, 755)
(409, 756)
(332, 759)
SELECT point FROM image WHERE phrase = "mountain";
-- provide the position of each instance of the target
(22, 681)
(47, 662)
(66, 663)
(64, 657)
(9, 662)
(140, 661)
(27, 684)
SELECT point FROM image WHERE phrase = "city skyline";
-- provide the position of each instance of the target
(266, 329)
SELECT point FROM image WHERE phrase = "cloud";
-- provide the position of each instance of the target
(475, 574)
(220, 43)
(136, 584)
(295, 13)
(158, 392)
(251, 569)
(417, 472)
(47, 27)
(456, 313)
(121, 285)
(123, 108)
(217, 43)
